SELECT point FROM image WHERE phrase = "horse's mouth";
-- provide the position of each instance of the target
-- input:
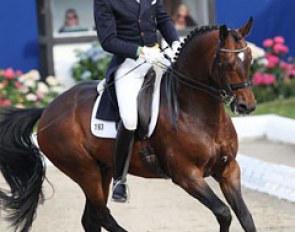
(241, 108)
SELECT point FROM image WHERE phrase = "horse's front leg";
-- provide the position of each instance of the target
(193, 182)
(230, 184)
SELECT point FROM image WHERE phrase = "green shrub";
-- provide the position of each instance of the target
(92, 64)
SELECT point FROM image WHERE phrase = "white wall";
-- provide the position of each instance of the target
(64, 56)
(270, 126)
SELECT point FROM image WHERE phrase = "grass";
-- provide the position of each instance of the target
(285, 107)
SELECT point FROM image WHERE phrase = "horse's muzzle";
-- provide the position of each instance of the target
(241, 108)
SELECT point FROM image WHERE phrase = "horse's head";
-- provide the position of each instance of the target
(217, 60)
(231, 67)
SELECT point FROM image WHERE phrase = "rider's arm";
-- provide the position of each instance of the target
(107, 32)
(165, 24)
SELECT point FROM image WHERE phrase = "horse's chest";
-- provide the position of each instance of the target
(222, 149)
(217, 159)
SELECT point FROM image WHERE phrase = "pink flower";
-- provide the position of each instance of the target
(292, 72)
(267, 55)
(263, 79)
(2, 72)
(285, 66)
(6, 102)
(272, 60)
(40, 95)
(5, 83)
(279, 39)
(268, 79)
(268, 43)
(9, 73)
(284, 49)
(18, 85)
(19, 73)
(280, 48)
(257, 78)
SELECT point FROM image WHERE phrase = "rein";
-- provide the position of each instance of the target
(226, 91)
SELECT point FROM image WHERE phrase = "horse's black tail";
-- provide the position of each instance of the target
(22, 166)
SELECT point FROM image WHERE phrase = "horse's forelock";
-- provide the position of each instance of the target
(237, 37)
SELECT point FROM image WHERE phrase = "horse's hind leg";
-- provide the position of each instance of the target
(90, 217)
(89, 220)
(96, 213)
(231, 188)
(94, 181)
(197, 187)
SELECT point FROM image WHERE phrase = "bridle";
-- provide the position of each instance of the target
(226, 91)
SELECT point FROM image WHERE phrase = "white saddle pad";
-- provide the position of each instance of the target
(106, 129)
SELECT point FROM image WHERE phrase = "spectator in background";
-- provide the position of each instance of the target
(71, 21)
(182, 18)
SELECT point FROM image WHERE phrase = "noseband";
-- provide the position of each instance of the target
(226, 91)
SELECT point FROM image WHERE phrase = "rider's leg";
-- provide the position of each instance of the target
(123, 149)
(127, 89)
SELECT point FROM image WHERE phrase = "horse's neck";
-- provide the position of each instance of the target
(197, 105)
(195, 62)
(194, 104)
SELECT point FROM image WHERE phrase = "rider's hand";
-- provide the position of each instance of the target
(171, 53)
(151, 55)
(175, 46)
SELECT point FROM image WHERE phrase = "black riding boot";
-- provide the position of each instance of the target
(123, 151)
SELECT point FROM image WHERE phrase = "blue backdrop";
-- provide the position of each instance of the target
(271, 18)
(19, 33)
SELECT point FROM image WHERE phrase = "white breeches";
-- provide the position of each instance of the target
(127, 89)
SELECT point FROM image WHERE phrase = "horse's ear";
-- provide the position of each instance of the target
(223, 33)
(246, 29)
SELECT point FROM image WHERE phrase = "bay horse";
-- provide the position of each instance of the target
(212, 66)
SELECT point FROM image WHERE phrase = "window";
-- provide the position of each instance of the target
(201, 11)
(72, 16)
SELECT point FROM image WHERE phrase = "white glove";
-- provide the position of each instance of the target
(175, 46)
(171, 52)
(152, 55)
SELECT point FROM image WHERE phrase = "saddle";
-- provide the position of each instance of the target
(145, 100)
(148, 110)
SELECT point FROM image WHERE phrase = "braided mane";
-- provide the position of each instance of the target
(194, 33)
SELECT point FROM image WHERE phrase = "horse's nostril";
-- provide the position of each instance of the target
(242, 107)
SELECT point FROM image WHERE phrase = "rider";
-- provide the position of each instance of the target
(127, 29)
